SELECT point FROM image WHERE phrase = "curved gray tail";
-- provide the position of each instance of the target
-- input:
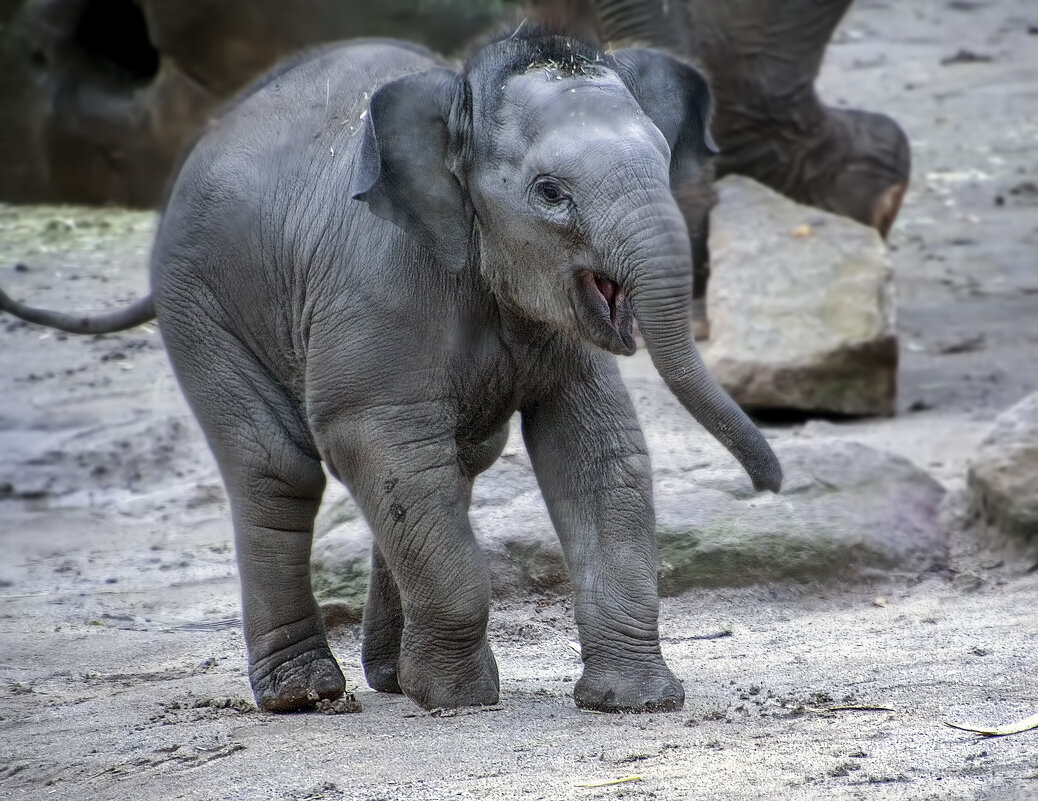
(139, 312)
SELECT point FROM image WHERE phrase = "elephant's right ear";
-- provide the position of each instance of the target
(402, 172)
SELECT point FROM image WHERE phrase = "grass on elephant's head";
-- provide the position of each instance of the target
(574, 66)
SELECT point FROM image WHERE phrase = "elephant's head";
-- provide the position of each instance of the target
(547, 166)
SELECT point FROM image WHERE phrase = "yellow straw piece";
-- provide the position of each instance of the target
(607, 782)
(1000, 731)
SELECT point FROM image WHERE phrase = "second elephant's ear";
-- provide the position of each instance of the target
(402, 171)
(676, 97)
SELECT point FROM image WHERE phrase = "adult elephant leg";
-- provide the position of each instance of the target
(603, 513)
(696, 197)
(383, 613)
(413, 493)
(763, 59)
(274, 482)
(477, 458)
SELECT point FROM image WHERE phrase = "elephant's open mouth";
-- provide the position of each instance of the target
(606, 312)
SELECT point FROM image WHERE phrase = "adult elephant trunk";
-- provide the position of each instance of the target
(658, 268)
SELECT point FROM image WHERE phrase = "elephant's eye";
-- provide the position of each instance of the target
(551, 191)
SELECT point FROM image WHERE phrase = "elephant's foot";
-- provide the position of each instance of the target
(432, 682)
(381, 675)
(383, 628)
(628, 688)
(850, 162)
(297, 683)
(861, 170)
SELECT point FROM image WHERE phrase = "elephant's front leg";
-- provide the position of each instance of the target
(593, 468)
(383, 614)
(430, 585)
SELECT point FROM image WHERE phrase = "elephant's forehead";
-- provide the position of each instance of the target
(541, 101)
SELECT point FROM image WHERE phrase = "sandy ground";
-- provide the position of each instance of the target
(121, 652)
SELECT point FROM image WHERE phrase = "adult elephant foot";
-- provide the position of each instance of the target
(381, 675)
(298, 682)
(433, 681)
(850, 162)
(869, 180)
(770, 122)
(629, 688)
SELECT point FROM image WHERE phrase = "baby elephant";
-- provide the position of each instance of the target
(372, 260)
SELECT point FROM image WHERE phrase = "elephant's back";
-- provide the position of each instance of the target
(263, 199)
(309, 106)
(281, 155)
(322, 85)
(379, 59)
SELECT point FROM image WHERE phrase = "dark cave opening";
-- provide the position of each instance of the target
(113, 34)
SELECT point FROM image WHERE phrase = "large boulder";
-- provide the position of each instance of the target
(801, 306)
(1003, 476)
(847, 512)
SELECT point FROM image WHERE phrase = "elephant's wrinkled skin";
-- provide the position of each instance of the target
(380, 285)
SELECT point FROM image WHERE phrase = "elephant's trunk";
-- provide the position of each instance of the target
(659, 285)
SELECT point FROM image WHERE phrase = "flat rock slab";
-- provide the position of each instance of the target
(1003, 478)
(801, 306)
(847, 512)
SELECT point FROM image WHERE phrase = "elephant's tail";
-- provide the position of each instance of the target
(139, 312)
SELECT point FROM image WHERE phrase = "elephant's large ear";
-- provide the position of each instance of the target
(676, 97)
(402, 171)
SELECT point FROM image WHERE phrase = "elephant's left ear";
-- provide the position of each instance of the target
(676, 97)
(401, 171)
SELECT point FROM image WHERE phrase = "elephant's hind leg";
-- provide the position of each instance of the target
(274, 481)
(383, 627)
(290, 663)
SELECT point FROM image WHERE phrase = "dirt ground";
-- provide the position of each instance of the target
(121, 653)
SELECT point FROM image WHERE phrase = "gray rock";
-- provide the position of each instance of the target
(801, 306)
(848, 512)
(341, 554)
(1003, 478)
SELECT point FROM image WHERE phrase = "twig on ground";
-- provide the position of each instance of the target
(608, 782)
(999, 731)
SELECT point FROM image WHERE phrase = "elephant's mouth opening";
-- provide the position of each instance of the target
(606, 313)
